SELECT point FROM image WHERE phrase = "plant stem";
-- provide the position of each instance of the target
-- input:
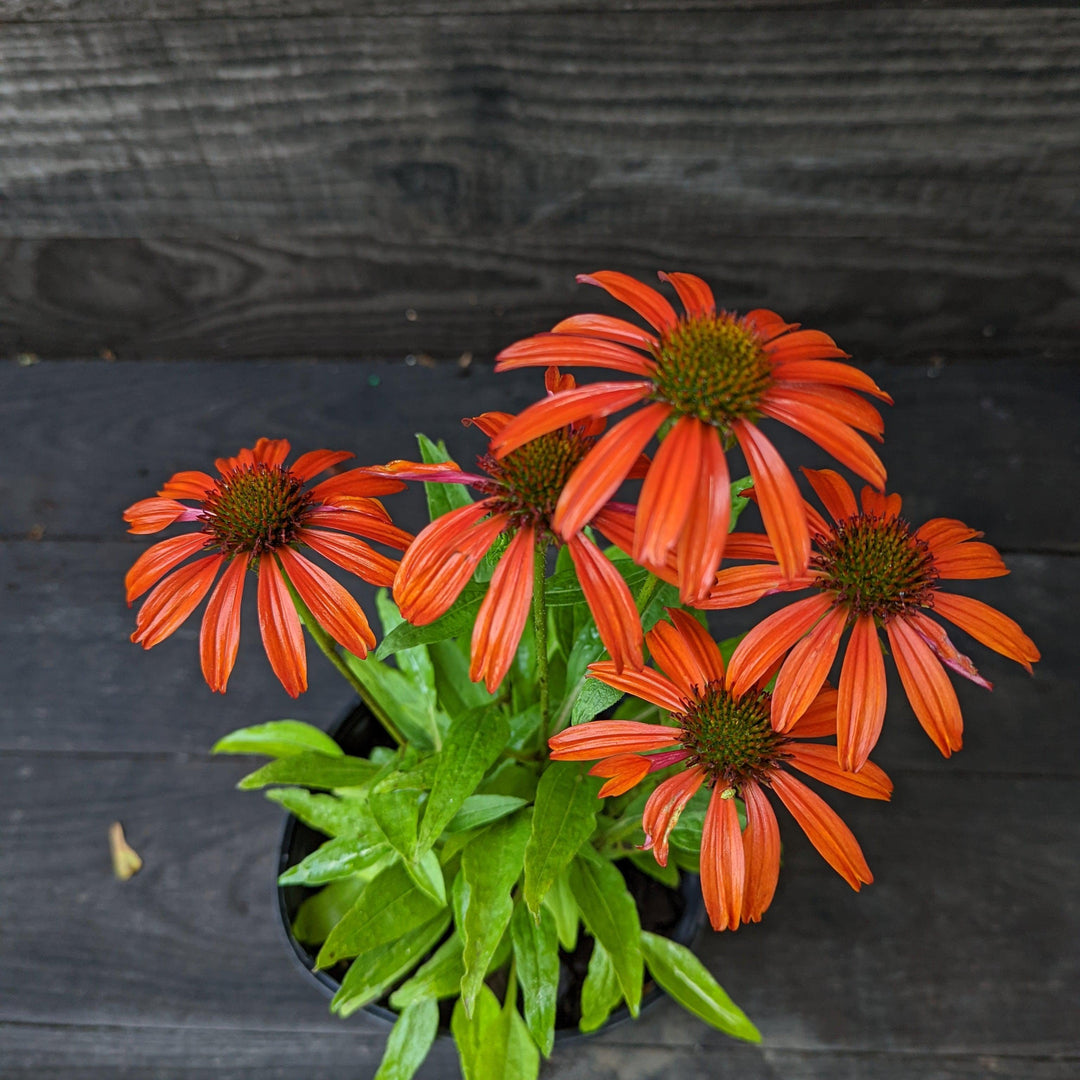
(646, 593)
(539, 615)
(329, 647)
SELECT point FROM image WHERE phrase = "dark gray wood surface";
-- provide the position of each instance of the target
(960, 961)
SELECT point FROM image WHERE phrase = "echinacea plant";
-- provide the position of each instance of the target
(537, 624)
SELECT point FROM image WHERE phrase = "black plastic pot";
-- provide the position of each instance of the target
(678, 914)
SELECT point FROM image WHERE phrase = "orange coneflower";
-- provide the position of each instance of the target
(520, 492)
(723, 737)
(715, 375)
(256, 515)
(871, 570)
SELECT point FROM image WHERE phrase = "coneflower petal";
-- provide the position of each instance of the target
(934, 635)
(153, 515)
(351, 554)
(826, 831)
(737, 586)
(604, 326)
(542, 350)
(761, 849)
(820, 762)
(804, 671)
(602, 738)
(942, 533)
(174, 599)
(623, 771)
(191, 484)
(802, 345)
(695, 295)
(316, 461)
(362, 523)
(988, 625)
(360, 482)
(604, 468)
(778, 498)
(701, 658)
(723, 862)
(968, 561)
(279, 625)
(664, 807)
(155, 562)
(219, 635)
(490, 423)
(702, 542)
(819, 720)
(839, 402)
(271, 451)
(861, 706)
(502, 615)
(766, 324)
(932, 697)
(751, 546)
(610, 602)
(647, 684)
(647, 302)
(880, 504)
(821, 371)
(834, 492)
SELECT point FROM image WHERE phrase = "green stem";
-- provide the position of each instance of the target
(329, 647)
(646, 593)
(539, 615)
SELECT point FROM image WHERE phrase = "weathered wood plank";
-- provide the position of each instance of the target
(929, 960)
(911, 297)
(991, 444)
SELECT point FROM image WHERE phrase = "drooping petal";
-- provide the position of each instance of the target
(685, 651)
(279, 625)
(604, 468)
(880, 504)
(804, 345)
(604, 326)
(942, 533)
(934, 635)
(701, 543)
(271, 451)
(646, 684)
(219, 636)
(761, 848)
(332, 605)
(602, 738)
(361, 522)
(778, 498)
(316, 461)
(351, 554)
(771, 638)
(819, 720)
(490, 423)
(820, 762)
(624, 770)
(932, 697)
(766, 324)
(861, 706)
(665, 806)
(502, 615)
(839, 439)
(824, 828)
(155, 562)
(174, 599)
(610, 602)
(753, 547)
(646, 301)
(988, 625)
(968, 561)
(191, 484)
(668, 493)
(153, 515)
(542, 350)
(820, 371)
(568, 407)
(355, 482)
(839, 402)
(433, 472)
(245, 459)
(723, 861)
(834, 492)
(738, 586)
(695, 295)
(805, 670)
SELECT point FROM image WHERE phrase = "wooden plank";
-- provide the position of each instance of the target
(990, 444)
(911, 297)
(927, 961)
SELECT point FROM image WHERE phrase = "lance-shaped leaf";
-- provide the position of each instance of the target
(490, 866)
(415, 663)
(375, 970)
(593, 699)
(564, 819)
(479, 810)
(312, 768)
(559, 900)
(397, 811)
(441, 498)
(536, 952)
(337, 858)
(396, 694)
(456, 691)
(610, 915)
(683, 976)
(390, 906)
(277, 739)
(327, 813)
(409, 1041)
(319, 914)
(600, 993)
(494, 1043)
(427, 874)
(472, 744)
(438, 977)
(458, 620)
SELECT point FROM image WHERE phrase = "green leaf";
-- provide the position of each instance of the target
(456, 691)
(409, 1041)
(738, 502)
(428, 876)
(312, 768)
(610, 915)
(319, 914)
(560, 901)
(458, 620)
(415, 663)
(564, 819)
(479, 810)
(600, 993)
(397, 811)
(481, 1037)
(536, 952)
(683, 976)
(490, 866)
(389, 907)
(522, 1056)
(647, 864)
(378, 968)
(437, 977)
(398, 697)
(472, 744)
(511, 778)
(564, 590)
(327, 813)
(441, 498)
(594, 698)
(279, 738)
(337, 858)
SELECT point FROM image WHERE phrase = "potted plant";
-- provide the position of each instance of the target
(547, 721)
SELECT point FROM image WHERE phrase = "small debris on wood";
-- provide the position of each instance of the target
(125, 859)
